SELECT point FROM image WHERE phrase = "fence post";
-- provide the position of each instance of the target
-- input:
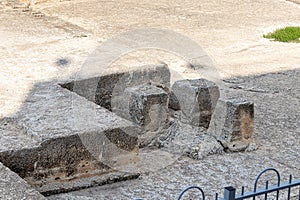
(229, 193)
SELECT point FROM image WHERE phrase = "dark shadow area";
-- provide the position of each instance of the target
(62, 62)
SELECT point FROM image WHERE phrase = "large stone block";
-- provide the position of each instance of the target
(146, 105)
(103, 89)
(196, 98)
(232, 125)
(58, 136)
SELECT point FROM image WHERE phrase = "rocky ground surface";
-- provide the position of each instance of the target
(53, 40)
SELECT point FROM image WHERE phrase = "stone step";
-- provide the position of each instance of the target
(59, 136)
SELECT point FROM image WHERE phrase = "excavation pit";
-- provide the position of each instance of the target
(98, 130)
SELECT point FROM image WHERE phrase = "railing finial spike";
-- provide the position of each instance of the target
(229, 193)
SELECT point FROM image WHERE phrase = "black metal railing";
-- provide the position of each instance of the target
(231, 194)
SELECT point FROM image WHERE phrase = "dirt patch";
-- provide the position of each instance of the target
(295, 1)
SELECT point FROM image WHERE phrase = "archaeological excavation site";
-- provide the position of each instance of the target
(104, 129)
(148, 100)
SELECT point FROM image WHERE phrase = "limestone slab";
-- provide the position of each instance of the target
(58, 135)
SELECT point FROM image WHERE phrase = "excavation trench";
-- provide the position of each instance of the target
(99, 130)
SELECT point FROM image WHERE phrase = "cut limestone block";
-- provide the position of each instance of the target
(232, 124)
(146, 105)
(103, 89)
(142, 100)
(197, 99)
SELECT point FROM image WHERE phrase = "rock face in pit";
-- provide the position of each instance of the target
(188, 140)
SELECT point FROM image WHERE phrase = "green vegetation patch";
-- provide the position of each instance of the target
(287, 34)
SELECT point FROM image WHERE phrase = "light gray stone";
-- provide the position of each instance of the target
(233, 124)
(13, 187)
(197, 99)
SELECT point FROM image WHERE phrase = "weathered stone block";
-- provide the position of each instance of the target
(197, 99)
(146, 105)
(232, 124)
(103, 89)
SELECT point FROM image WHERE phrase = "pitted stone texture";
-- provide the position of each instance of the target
(105, 90)
(233, 124)
(197, 99)
(204, 145)
(145, 105)
(13, 187)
